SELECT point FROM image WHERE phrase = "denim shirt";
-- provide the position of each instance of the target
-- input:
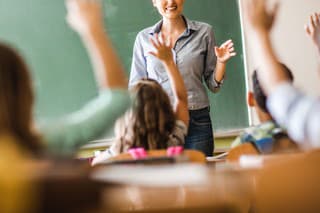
(194, 55)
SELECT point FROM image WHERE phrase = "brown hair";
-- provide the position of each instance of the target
(151, 119)
(258, 92)
(16, 99)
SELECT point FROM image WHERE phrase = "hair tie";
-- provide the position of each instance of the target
(137, 153)
(174, 150)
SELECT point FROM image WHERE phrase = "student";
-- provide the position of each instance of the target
(290, 107)
(16, 102)
(68, 133)
(197, 58)
(264, 135)
(151, 123)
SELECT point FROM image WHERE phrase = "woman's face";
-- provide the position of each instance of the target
(170, 9)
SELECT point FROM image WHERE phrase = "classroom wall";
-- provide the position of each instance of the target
(292, 45)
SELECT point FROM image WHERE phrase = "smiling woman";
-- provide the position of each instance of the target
(197, 58)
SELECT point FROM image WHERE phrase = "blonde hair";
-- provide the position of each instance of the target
(150, 121)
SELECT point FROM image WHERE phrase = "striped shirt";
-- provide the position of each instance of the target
(299, 113)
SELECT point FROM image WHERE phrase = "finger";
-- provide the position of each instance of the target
(311, 21)
(168, 43)
(233, 54)
(231, 49)
(153, 53)
(226, 43)
(230, 45)
(72, 21)
(154, 43)
(317, 19)
(71, 5)
(310, 26)
(307, 29)
(68, 4)
(157, 39)
(162, 40)
(259, 5)
(314, 17)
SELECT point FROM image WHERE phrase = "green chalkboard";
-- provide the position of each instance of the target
(63, 79)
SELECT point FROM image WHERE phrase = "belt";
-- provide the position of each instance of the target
(200, 110)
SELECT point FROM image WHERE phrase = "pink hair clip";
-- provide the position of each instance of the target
(137, 153)
(174, 150)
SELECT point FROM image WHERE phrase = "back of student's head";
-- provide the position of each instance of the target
(152, 118)
(16, 99)
(258, 92)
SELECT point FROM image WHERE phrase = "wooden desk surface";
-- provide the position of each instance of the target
(228, 188)
(223, 191)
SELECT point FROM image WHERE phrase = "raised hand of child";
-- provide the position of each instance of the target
(313, 28)
(258, 16)
(83, 15)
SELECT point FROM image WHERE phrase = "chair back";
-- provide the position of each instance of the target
(156, 156)
(243, 149)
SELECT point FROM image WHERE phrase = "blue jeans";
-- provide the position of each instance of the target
(200, 134)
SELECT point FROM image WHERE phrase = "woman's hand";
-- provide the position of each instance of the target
(313, 28)
(225, 51)
(163, 49)
(83, 15)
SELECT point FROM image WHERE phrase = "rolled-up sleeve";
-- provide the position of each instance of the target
(138, 66)
(300, 114)
(67, 134)
(210, 63)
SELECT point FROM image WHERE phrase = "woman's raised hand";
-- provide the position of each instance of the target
(225, 51)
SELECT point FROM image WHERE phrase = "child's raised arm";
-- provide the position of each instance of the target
(164, 53)
(313, 29)
(66, 134)
(85, 17)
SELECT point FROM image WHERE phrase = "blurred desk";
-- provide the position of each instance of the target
(216, 191)
(216, 187)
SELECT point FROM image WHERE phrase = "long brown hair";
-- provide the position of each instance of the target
(16, 99)
(151, 119)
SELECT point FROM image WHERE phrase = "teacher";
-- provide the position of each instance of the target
(197, 57)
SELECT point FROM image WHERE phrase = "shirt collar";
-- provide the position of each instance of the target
(191, 26)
